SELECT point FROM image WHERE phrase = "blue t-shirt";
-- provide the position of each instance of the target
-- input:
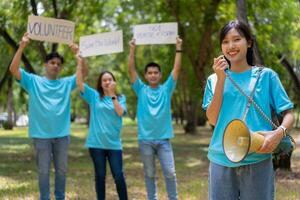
(269, 92)
(154, 109)
(105, 124)
(49, 104)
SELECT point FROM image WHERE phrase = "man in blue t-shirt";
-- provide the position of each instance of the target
(154, 120)
(49, 116)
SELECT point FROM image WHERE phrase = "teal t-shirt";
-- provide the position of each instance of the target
(154, 109)
(269, 92)
(49, 104)
(105, 124)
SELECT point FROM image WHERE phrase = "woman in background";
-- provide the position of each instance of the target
(104, 138)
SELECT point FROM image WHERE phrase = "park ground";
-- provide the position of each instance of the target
(18, 171)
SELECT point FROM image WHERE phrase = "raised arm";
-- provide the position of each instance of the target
(15, 64)
(75, 49)
(177, 61)
(131, 62)
(214, 107)
(79, 73)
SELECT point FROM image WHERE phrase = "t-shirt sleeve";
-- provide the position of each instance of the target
(279, 98)
(26, 79)
(137, 85)
(122, 101)
(89, 94)
(170, 84)
(208, 94)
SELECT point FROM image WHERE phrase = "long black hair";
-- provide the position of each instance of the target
(99, 82)
(244, 31)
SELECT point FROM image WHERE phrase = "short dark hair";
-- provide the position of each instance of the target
(152, 64)
(54, 55)
(244, 31)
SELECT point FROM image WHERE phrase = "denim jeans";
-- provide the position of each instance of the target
(249, 182)
(163, 150)
(114, 157)
(46, 150)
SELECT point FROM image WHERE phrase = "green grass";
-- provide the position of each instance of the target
(18, 171)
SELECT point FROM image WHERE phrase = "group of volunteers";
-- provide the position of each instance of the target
(49, 120)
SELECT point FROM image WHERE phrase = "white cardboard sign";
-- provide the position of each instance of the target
(162, 33)
(50, 29)
(102, 43)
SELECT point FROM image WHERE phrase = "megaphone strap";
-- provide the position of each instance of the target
(251, 100)
(252, 93)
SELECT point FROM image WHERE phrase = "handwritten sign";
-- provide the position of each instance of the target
(164, 33)
(103, 43)
(50, 29)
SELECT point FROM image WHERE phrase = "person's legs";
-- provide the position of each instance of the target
(116, 167)
(147, 153)
(99, 161)
(166, 158)
(43, 151)
(60, 158)
(257, 181)
(223, 183)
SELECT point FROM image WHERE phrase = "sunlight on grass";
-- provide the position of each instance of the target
(11, 184)
(14, 148)
(192, 162)
(129, 145)
(18, 178)
(129, 122)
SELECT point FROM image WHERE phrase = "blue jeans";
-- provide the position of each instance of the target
(114, 157)
(249, 182)
(46, 149)
(163, 150)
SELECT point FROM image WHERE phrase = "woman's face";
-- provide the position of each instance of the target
(234, 46)
(106, 80)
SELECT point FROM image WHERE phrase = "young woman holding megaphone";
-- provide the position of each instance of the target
(251, 176)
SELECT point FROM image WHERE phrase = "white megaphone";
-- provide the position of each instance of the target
(238, 141)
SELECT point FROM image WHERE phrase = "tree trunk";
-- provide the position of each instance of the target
(192, 118)
(242, 16)
(10, 110)
(201, 55)
(289, 68)
(88, 114)
(175, 106)
(24, 59)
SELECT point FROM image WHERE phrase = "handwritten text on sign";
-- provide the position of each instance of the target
(103, 43)
(164, 33)
(50, 29)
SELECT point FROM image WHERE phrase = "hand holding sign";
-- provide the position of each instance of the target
(132, 44)
(74, 48)
(24, 41)
(178, 43)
